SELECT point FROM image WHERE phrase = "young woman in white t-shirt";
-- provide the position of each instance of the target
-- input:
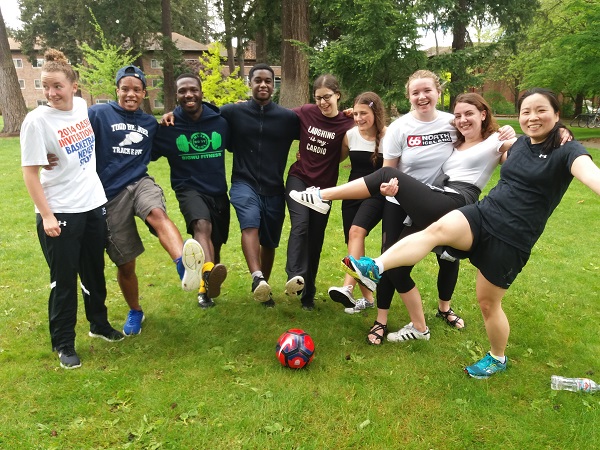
(69, 207)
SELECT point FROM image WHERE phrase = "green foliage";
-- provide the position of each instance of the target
(498, 103)
(217, 88)
(97, 73)
(374, 46)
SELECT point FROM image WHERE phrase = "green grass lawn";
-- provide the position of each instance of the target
(199, 379)
(580, 133)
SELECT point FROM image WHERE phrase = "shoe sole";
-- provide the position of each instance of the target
(139, 332)
(70, 367)
(309, 202)
(351, 270)
(94, 335)
(262, 291)
(340, 297)
(482, 377)
(192, 258)
(294, 285)
(215, 280)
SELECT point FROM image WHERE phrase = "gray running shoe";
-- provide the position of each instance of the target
(361, 305)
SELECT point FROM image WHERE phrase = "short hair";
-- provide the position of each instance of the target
(261, 66)
(56, 61)
(189, 75)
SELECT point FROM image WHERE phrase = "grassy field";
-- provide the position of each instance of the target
(199, 379)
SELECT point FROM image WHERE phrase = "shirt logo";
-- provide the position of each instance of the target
(425, 140)
(200, 143)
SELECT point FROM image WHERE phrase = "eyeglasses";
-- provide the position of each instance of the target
(325, 97)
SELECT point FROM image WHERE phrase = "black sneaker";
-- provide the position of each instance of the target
(261, 289)
(213, 279)
(308, 305)
(204, 301)
(270, 303)
(68, 357)
(110, 335)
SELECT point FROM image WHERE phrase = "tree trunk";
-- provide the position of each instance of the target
(240, 57)
(459, 38)
(227, 41)
(12, 104)
(578, 104)
(261, 46)
(294, 63)
(168, 56)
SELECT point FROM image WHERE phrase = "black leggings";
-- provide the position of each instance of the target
(424, 206)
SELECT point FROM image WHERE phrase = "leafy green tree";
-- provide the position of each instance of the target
(217, 88)
(369, 45)
(97, 73)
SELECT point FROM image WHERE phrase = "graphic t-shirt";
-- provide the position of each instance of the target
(320, 146)
(123, 145)
(195, 150)
(73, 185)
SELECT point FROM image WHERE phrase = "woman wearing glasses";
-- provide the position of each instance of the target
(322, 131)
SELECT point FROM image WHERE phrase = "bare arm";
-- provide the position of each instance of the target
(345, 148)
(36, 192)
(584, 169)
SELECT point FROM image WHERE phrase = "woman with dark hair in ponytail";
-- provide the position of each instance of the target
(363, 144)
(498, 232)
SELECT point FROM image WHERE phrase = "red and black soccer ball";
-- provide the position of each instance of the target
(295, 349)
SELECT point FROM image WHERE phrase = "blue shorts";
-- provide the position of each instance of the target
(259, 211)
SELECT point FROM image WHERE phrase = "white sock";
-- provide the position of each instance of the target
(379, 265)
(502, 359)
(258, 274)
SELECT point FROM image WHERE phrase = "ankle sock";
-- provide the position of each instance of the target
(379, 265)
(257, 274)
(502, 359)
(179, 265)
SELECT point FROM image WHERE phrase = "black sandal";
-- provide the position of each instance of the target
(444, 315)
(377, 326)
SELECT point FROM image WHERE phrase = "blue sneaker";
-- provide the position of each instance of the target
(133, 325)
(486, 367)
(364, 271)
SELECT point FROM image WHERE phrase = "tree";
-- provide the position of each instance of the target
(97, 73)
(457, 15)
(294, 63)
(12, 103)
(168, 56)
(367, 46)
(217, 88)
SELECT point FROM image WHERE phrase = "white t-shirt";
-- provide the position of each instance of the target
(73, 185)
(358, 143)
(422, 147)
(475, 164)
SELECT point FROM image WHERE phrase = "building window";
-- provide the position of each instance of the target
(22, 84)
(37, 84)
(38, 63)
(18, 63)
(158, 104)
(157, 82)
(42, 102)
(102, 100)
(155, 64)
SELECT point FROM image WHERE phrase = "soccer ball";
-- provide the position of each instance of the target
(295, 349)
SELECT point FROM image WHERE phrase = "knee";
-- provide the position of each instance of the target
(126, 270)
(357, 233)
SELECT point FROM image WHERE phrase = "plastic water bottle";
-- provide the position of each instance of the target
(559, 383)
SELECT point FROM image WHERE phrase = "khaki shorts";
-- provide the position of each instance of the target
(137, 199)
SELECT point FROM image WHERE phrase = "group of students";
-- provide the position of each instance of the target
(409, 175)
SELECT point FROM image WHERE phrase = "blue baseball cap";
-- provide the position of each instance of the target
(131, 71)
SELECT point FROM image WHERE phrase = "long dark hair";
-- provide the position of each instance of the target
(373, 101)
(488, 125)
(554, 137)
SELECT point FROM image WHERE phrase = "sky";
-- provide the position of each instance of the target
(10, 12)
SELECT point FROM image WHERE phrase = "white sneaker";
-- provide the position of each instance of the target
(361, 305)
(294, 285)
(192, 257)
(343, 295)
(310, 197)
(407, 333)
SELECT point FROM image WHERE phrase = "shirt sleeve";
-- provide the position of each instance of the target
(33, 148)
